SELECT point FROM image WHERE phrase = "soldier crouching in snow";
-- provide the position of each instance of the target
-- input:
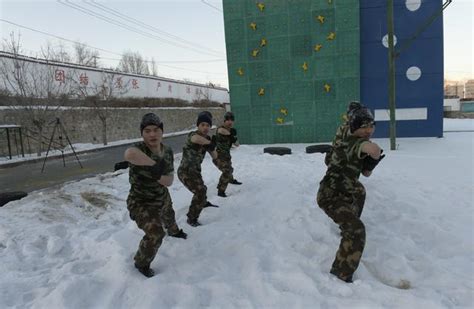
(189, 171)
(341, 133)
(226, 136)
(339, 189)
(149, 202)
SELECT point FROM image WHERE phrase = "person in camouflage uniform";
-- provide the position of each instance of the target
(343, 129)
(341, 133)
(337, 196)
(149, 202)
(189, 171)
(226, 136)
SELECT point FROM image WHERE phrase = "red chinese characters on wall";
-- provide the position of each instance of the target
(118, 82)
(60, 76)
(135, 84)
(84, 79)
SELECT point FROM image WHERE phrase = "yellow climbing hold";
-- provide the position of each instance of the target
(261, 6)
(255, 52)
(305, 66)
(240, 71)
(261, 91)
(327, 87)
(253, 26)
(317, 47)
(321, 18)
(263, 42)
(331, 36)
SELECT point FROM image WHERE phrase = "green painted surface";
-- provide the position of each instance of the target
(467, 106)
(278, 81)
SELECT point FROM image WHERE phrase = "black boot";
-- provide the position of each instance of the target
(193, 222)
(146, 271)
(180, 234)
(235, 182)
(347, 279)
(209, 204)
(221, 193)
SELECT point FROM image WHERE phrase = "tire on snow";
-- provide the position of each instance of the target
(319, 148)
(277, 150)
(11, 196)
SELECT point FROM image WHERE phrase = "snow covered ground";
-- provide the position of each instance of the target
(267, 246)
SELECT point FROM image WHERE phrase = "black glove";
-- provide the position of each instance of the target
(233, 135)
(157, 169)
(370, 163)
(211, 146)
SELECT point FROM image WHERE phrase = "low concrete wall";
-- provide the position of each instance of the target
(458, 114)
(84, 126)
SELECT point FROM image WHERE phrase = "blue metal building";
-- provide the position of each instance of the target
(419, 68)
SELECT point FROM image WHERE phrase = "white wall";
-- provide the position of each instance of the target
(451, 104)
(124, 85)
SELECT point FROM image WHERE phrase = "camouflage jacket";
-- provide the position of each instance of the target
(345, 164)
(193, 155)
(143, 185)
(223, 143)
(341, 133)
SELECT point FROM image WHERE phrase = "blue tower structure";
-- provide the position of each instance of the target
(419, 67)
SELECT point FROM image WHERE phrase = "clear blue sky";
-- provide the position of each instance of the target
(186, 23)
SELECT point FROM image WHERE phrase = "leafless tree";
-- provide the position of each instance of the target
(85, 55)
(35, 88)
(204, 94)
(133, 62)
(58, 53)
(110, 86)
(153, 67)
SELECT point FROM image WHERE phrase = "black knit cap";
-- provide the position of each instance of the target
(353, 106)
(229, 116)
(149, 120)
(361, 118)
(204, 116)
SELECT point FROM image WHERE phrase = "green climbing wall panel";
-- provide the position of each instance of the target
(293, 66)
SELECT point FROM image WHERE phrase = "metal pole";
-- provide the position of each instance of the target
(9, 146)
(21, 144)
(391, 75)
(49, 146)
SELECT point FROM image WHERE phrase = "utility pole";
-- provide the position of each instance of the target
(391, 75)
(392, 54)
(95, 60)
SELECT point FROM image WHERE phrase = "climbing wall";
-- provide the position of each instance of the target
(293, 66)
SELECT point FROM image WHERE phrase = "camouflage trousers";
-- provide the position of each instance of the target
(345, 211)
(148, 217)
(194, 183)
(168, 216)
(224, 164)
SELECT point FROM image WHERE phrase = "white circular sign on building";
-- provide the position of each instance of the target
(385, 40)
(413, 5)
(413, 73)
